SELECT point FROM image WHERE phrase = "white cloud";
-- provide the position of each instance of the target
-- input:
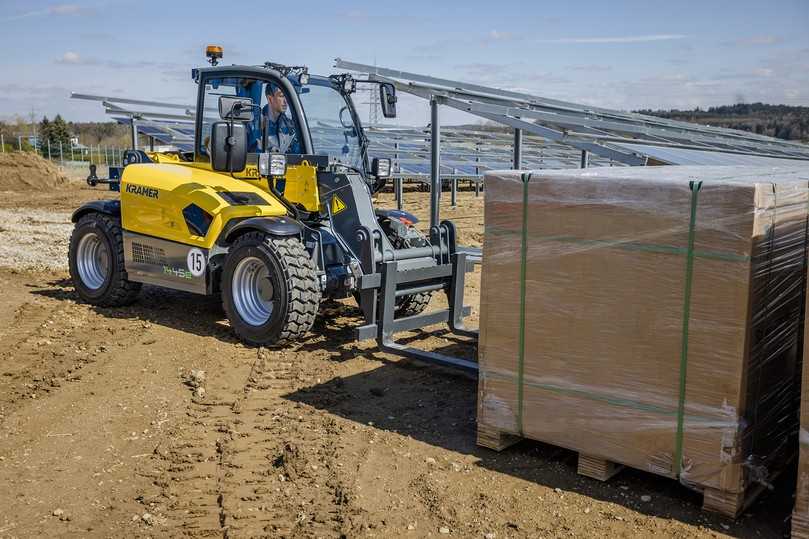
(56, 9)
(763, 72)
(70, 57)
(496, 35)
(64, 9)
(759, 40)
(615, 39)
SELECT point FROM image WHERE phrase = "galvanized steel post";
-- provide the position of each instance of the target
(134, 134)
(454, 188)
(517, 149)
(477, 169)
(435, 164)
(398, 192)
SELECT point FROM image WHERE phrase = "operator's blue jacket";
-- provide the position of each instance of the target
(281, 133)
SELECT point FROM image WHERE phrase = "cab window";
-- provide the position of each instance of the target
(242, 87)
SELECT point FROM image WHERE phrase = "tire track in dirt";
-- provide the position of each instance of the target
(49, 341)
(252, 465)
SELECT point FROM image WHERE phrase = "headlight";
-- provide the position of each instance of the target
(272, 164)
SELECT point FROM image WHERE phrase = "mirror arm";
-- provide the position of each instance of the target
(231, 143)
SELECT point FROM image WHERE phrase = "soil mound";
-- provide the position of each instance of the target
(20, 171)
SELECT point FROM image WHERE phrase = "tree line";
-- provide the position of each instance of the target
(58, 130)
(780, 121)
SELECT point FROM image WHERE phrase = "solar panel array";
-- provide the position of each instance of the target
(555, 132)
(621, 136)
(467, 152)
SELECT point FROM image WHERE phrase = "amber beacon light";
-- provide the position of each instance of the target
(213, 53)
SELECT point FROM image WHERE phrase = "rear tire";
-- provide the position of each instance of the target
(96, 261)
(270, 289)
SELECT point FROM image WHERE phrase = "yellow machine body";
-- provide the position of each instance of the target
(154, 195)
(301, 186)
(300, 180)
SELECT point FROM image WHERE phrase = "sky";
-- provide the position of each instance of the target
(621, 54)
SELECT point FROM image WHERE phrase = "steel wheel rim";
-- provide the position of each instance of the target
(92, 261)
(253, 291)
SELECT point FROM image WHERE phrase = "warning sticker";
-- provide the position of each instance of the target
(337, 205)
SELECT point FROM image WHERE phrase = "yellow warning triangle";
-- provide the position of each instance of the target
(337, 205)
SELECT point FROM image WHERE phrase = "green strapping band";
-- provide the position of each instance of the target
(689, 274)
(624, 245)
(612, 400)
(526, 177)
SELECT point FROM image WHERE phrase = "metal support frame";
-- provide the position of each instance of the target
(599, 148)
(581, 126)
(585, 159)
(453, 194)
(398, 190)
(134, 134)
(517, 149)
(435, 164)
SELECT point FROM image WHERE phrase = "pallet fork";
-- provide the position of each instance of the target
(387, 276)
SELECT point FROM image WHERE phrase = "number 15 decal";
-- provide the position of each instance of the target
(196, 262)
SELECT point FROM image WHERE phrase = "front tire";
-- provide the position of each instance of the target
(270, 289)
(414, 303)
(96, 261)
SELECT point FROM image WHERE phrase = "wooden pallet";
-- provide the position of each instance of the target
(800, 526)
(598, 468)
(729, 504)
(492, 438)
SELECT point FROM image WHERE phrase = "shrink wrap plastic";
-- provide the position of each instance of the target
(800, 516)
(650, 316)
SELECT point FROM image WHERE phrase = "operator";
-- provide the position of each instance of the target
(279, 130)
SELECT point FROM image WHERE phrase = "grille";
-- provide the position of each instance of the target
(147, 254)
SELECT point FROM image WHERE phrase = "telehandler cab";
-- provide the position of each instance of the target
(272, 232)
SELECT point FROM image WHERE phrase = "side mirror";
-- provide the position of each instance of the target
(387, 98)
(235, 108)
(228, 146)
(380, 167)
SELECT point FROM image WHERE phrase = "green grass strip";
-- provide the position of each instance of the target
(689, 274)
(526, 177)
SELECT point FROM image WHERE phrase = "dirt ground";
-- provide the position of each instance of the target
(153, 421)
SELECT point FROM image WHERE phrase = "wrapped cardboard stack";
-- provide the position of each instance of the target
(800, 515)
(647, 316)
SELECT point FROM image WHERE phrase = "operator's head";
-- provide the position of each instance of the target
(276, 99)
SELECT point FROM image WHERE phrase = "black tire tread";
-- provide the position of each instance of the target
(122, 291)
(302, 284)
